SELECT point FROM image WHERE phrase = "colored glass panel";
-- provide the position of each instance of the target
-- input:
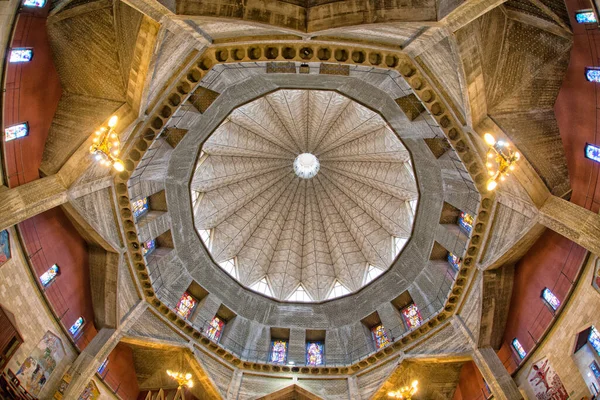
(34, 3)
(454, 261)
(77, 326)
(412, 316)
(518, 348)
(102, 367)
(380, 336)
(215, 329)
(16, 132)
(595, 369)
(465, 221)
(592, 152)
(585, 17)
(279, 351)
(594, 339)
(551, 299)
(186, 305)
(48, 276)
(140, 207)
(148, 247)
(314, 353)
(20, 55)
(592, 74)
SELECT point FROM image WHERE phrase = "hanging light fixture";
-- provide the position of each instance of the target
(405, 392)
(501, 159)
(181, 378)
(105, 147)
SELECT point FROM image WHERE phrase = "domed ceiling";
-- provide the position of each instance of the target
(304, 195)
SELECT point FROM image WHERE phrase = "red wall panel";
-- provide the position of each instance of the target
(120, 374)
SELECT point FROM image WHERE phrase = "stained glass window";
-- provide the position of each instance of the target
(263, 287)
(186, 305)
(20, 55)
(215, 329)
(518, 348)
(140, 207)
(454, 261)
(300, 294)
(595, 369)
(372, 273)
(592, 74)
(229, 267)
(379, 336)
(279, 351)
(34, 3)
(585, 17)
(49, 276)
(16, 132)
(594, 339)
(412, 316)
(148, 247)
(102, 367)
(314, 353)
(592, 152)
(337, 290)
(551, 299)
(465, 221)
(77, 326)
(398, 245)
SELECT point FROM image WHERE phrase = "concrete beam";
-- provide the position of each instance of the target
(574, 222)
(500, 382)
(104, 267)
(30, 199)
(496, 294)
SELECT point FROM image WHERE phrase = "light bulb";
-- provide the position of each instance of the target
(491, 185)
(490, 155)
(500, 143)
(112, 122)
(517, 155)
(512, 167)
(491, 173)
(489, 165)
(95, 140)
(188, 376)
(118, 165)
(502, 178)
(415, 383)
(489, 139)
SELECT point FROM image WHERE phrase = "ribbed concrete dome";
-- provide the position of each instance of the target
(294, 235)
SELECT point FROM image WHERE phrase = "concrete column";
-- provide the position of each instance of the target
(353, 392)
(502, 385)
(30, 199)
(207, 309)
(104, 273)
(87, 363)
(573, 222)
(451, 238)
(235, 384)
(391, 320)
(154, 224)
(297, 345)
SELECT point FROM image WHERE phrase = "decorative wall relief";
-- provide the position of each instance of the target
(545, 382)
(596, 281)
(38, 367)
(4, 246)
(91, 392)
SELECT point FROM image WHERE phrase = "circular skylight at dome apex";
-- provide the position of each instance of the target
(306, 166)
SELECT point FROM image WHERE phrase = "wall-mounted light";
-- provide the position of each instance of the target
(501, 160)
(105, 147)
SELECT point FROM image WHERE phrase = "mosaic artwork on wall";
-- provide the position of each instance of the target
(545, 382)
(90, 392)
(596, 281)
(4, 247)
(37, 368)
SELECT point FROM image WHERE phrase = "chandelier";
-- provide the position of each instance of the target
(105, 146)
(405, 392)
(181, 378)
(500, 160)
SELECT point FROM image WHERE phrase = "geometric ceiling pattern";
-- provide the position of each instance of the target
(304, 239)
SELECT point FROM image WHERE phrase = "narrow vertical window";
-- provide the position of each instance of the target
(34, 3)
(412, 316)
(454, 260)
(102, 367)
(592, 152)
(550, 299)
(314, 353)
(187, 304)
(380, 336)
(585, 17)
(594, 339)
(140, 207)
(148, 247)
(20, 55)
(518, 348)
(16, 131)
(49, 276)
(465, 221)
(279, 350)
(77, 327)
(592, 74)
(215, 329)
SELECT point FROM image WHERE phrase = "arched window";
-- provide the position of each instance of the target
(314, 353)
(49, 276)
